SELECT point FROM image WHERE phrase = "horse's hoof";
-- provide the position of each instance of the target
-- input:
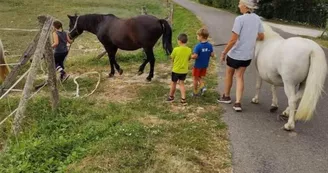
(289, 127)
(140, 73)
(273, 109)
(255, 101)
(110, 75)
(282, 118)
(120, 71)
(148, 79)
(285, 114)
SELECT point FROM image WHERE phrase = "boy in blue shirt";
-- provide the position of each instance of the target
(202, 53)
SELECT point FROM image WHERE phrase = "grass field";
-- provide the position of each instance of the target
(125, 126)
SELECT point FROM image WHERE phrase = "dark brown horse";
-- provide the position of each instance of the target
(125, 34)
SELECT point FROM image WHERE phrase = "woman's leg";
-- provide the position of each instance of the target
(240, 83)
(228, 80)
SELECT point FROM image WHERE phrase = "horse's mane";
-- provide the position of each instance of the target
(269, 33)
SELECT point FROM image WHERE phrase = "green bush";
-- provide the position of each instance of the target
(304, 11)
(314, 12)
(206, 2)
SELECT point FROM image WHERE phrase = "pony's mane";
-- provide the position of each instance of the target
(269, 33)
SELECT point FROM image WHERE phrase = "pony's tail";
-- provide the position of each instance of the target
(167, 36)
(4, 70)
(314, 83)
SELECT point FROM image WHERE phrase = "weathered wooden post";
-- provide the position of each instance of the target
(144, 10)
(10, 79)
(171, 13)
(52, 78)
(38, 55)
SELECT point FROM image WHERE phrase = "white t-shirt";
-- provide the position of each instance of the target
(247, 26)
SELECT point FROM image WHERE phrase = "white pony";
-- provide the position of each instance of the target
(296, 63)
(4, 69)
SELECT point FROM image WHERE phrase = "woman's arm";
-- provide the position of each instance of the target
(232, 42)
(56, 40)
(69, 39)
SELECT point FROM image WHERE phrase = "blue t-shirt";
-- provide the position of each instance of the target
(204, 51)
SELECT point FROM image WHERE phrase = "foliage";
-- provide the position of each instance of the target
(313, 12)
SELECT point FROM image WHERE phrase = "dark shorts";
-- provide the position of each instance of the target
(199, 72)
(237, 63)
(176, 76)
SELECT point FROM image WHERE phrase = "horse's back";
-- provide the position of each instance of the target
(285, 59)
(140, 31)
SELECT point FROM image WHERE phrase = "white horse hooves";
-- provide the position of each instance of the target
(289, 127)
(274, 109)
(255, 101)
(285, 114)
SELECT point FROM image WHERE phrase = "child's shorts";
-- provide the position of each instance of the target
(199, 72)
(176, 76)
(237, 63)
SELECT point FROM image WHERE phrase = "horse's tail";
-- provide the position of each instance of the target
(314, 83)
(4, 69)
(167, 36)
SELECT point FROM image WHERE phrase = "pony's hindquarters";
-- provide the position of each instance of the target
(314, 83)
(4, 69)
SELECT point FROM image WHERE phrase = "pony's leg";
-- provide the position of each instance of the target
(255, 100)
(143, 65)
(291, 95)
(300, 91)
(274, 105)
(151, 59)
(111, 55)
(299, 96)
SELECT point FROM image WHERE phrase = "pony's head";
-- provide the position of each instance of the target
(74, 30)
(269, 33)
(4, 69)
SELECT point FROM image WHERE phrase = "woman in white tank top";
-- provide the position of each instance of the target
(239, 51)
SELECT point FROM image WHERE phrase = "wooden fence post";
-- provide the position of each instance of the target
(38, 55)
(171, 14)
(10, 79)
(144, 10)
(52, 78)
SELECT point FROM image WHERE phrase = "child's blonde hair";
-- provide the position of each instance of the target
(203, 32)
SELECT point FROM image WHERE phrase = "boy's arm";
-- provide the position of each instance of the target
(172, 56)
(194, 56)
(195, 52)
(212, 54)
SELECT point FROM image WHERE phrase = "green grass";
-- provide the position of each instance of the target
(123, 127)
(323, 41)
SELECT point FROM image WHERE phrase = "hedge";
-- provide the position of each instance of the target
(313, 12)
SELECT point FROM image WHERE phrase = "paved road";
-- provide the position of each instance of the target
(258, 142)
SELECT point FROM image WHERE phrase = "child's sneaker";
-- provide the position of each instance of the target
(64, 77)
(237, 107)
(193, 94)
(170, 99)
(183, 102)
(202, 90)
(224, 99)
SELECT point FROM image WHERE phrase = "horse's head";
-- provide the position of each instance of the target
(74, 30)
